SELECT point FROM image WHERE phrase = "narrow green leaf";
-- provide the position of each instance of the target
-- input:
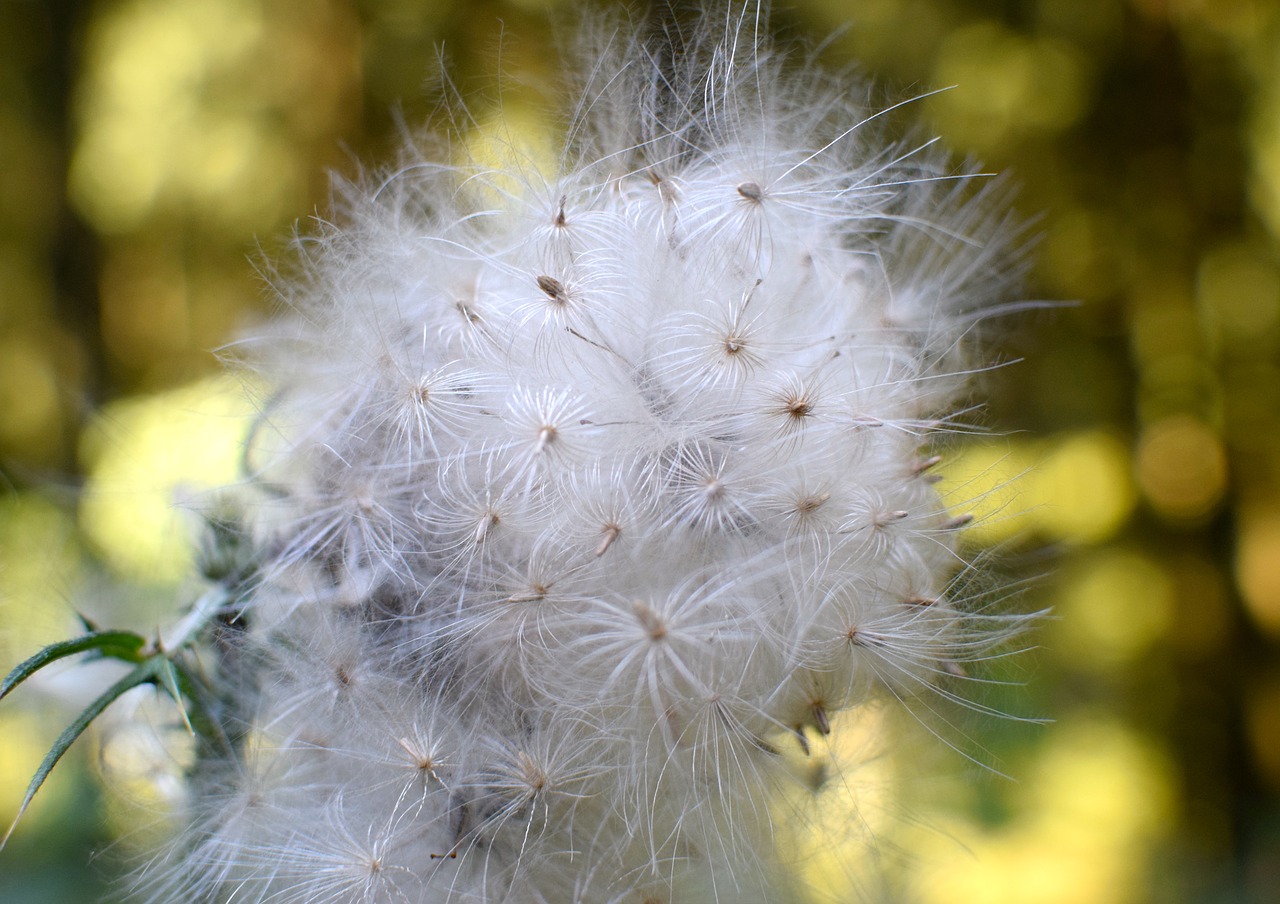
(200, 702)
(168, 678)
(117, 644)
(89, 624)
(145, 672)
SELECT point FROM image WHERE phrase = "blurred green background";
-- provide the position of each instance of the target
(151, 150)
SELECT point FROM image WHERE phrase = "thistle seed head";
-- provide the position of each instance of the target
(621, 483)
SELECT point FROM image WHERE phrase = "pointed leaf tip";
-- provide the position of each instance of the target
(141, 674)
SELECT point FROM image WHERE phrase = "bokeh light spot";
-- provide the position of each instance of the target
(1011, 86)
(1182, 468)
(510, 145)
(1258, 567)
(990, 481)
(1083, 488)
(1113, 609)
(182, 116)
(144, 456)
(40, 567)
(1075, 487)
(1097, 801)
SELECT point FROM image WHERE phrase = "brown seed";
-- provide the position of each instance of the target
(610, 532)
(764, 746)
(820, 720)
(811, 503)
(490, 520)
(799, 407)
(554, 288)
(925, 464)
(649, 620)
(535, 593)
(884, 519)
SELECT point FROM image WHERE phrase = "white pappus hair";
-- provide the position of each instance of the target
(586, 486)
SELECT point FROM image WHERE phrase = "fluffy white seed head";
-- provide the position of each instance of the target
(586, 486)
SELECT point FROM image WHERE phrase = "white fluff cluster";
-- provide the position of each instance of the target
(583, 495)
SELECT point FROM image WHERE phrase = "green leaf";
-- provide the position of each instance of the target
(168, 677)
(145, 672)
(200, 702)
(124, 645)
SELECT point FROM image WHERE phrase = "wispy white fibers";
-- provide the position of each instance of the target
(582, 492)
